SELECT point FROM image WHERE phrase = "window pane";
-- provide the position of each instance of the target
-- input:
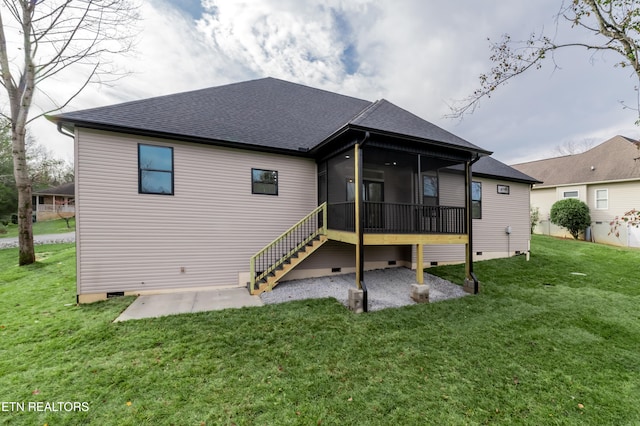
(156, 158)
(476, 210)
(430, 186)
(264, 182)
(156, 182)
(602, 199)
(476, 191)
(476, 200)
(570, 194)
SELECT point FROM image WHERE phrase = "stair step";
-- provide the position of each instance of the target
(274, 276)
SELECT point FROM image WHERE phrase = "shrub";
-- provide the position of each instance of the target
(572, 214)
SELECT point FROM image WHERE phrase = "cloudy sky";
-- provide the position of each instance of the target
(420, 55)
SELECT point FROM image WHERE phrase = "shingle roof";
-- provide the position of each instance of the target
(67, 189)
(490, 167)
(264, 113)
(615, 159)
(387, 117)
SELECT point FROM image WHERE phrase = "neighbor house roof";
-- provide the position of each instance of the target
(613, 160)
(267, 113)
(66, 189)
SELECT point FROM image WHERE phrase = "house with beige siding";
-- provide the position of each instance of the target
(254, 183)
(54, 203)
(606, 178)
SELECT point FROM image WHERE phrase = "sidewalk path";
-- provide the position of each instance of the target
(69, 237)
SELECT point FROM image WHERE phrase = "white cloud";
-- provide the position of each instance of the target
(419, 55)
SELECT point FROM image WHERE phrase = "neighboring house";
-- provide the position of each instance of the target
(192, 190)
(606, 178)
(54, 203)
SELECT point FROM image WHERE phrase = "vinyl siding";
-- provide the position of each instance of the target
(623, 196)
(211, 226)
(451, 193)
(490, 239)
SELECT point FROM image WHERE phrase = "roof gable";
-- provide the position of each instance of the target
(387, 117)
(615, 159)
(266, 113)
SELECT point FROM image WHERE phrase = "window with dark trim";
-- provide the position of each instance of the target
(155, 169)
(264, 182)
(476, 200)
(430, 190)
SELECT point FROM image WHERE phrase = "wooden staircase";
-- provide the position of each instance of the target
(282, 255)
(271, 280)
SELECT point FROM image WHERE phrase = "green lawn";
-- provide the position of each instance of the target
(539, 345)
(58, 226)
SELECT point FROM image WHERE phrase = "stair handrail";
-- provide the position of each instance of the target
(322, 208)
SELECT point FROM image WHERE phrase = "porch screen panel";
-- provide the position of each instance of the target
(341, 208)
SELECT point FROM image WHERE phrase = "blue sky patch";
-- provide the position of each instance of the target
(192, 7)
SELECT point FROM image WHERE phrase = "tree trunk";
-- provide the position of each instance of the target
(26, 253)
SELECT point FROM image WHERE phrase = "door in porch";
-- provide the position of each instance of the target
(373, 197)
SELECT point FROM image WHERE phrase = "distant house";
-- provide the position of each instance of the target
(54, 203)
(253, 183)
(606, 178)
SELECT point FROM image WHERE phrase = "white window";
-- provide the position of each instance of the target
(570, 194)
(602, 199)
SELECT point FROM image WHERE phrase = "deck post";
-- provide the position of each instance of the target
(471, 284)
(420, 263)
(469, 221)
(358, 222)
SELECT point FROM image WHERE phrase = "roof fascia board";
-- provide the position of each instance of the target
(598, 182)
(494, 177)
(185, 138)
(480, 151)
(510, 179)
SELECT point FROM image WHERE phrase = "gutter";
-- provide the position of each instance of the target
(62, 131)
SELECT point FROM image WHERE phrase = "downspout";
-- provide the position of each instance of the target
(469, 179)
(360, 219)
(75, 177)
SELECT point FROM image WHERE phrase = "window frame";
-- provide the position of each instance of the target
(141, 170)
(478, 202)
(606, 199)
(564, 194)
(431, 200)
(253, 182)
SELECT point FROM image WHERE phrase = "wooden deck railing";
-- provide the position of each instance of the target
(292, 241)
(398, 218)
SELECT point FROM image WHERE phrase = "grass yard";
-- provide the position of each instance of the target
(58, 226)
(540, 345)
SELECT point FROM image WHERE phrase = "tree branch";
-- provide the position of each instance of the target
(617, 22)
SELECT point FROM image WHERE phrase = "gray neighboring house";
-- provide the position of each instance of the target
(257, 182)
(54, 203)
(606, 178)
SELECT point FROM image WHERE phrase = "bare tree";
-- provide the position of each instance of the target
(574, 147)
(39, 40)
(616, 23)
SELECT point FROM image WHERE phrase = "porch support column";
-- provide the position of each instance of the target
(358, 213)
(471, 283)
(420, 263)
